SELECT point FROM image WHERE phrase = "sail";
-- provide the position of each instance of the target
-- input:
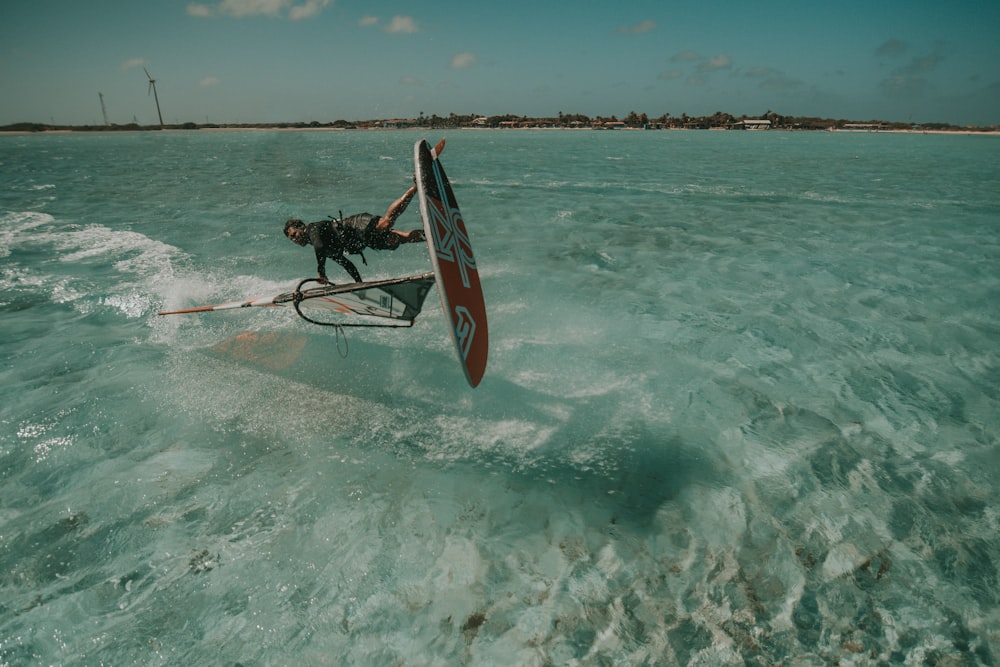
(395, 299)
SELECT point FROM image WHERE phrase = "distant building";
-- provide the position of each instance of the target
(752, 124)
(398, 123)
(862, 127)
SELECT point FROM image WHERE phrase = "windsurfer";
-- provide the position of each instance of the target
(335, 238)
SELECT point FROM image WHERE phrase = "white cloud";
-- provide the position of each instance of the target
(670, 75)
(901, 85)
(308, 10)
(132, 63)
(402, 24)
(715, 63)
(199, 10)
(397, 25)
(686, 57)
(645, 26)
(779, 83)
(892, 48)
(909, 80)
(923, 64)
(242, 8)
(209, 81)
(463, 60)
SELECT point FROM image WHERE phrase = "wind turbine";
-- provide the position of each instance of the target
(152, 89)
(104, 109)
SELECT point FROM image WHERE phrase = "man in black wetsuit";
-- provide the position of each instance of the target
(333, 239)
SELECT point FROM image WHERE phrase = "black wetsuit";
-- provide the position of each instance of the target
(334, 238)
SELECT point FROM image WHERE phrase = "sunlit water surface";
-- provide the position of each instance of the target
(742, 405)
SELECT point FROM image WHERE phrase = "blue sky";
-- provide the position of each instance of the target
(324, 60)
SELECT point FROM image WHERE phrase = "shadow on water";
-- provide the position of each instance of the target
(624, 463)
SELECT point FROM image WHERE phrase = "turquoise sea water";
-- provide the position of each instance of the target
(742, 406)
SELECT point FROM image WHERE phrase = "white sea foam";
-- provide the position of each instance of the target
(14, 227)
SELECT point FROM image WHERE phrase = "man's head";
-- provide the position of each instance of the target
(295, 230)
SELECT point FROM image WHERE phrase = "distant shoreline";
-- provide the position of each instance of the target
(277, 128)
(771, 121)
(991, 133)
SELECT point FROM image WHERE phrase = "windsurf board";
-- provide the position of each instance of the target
(453, 262)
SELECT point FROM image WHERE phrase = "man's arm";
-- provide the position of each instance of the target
(321, 265)
(348, 266)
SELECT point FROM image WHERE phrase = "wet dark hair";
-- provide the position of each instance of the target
(292, 222)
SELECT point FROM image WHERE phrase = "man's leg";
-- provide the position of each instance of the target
(393, 238)
(412, 236)
(396, 209)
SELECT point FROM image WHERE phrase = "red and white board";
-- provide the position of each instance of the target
(454, 264)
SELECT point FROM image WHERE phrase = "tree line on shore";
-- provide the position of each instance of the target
(633, 120)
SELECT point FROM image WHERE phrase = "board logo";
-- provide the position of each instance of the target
(465, 329)
(451, 241)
